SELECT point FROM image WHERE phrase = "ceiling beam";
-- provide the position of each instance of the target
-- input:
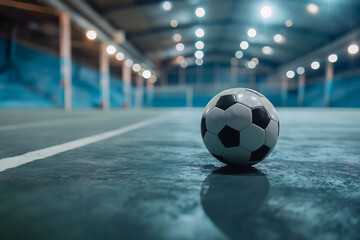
(338, 46)
(226, 22)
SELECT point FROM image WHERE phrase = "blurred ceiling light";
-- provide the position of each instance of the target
(251, 32)
(91, 34)
(200, 12)
(179, 59)
(183, 64)
(267, 50)
(290, 74)
(120, 56)
(199, 45)
(244, 45)
(300, 70)
(288, 23)
(199, 54)
(199, 32)
(353, 49)
(180, 47)
(312, 8)
(153, 79)
(266, 12)
(279, 38)
(199, 61)
(251, 64)
(146, 74)
(136, 67)
(129, 62)
(332, 58)
(167, 5)
(177, 37)
(239, 54)
(111, 49)
(174, 23)
(255, 60)
(315, 65)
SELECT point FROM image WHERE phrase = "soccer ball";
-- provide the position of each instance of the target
(240, 126)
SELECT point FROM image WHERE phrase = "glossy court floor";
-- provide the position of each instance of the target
(154, 179)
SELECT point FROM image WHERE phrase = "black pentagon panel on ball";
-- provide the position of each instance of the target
(260, 117)
(203, 127)
(226, 101)
(229, 137)
(221, 159)
(259, 154)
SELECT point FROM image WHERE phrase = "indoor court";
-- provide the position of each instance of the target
(104, 135)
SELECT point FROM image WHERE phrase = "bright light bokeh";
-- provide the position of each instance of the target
(239, 54)
(278, 38)
(174, 23)
(266, 12)
(91, 34)
(300, 70)
(315, 65)
(199, 32)
(251, 64)
(267, 50)
(200, 12)
(129, 62)
(111, 49)
(199, 54)
(180, 47)
(167, 5)
(244, 45)
(120, 56)
(177, 37)
(290, 74)
(332, 58)
(251, 32)
(199, 45)
(146, 74)
(183, 64)
(312, 8)
(353, 49)
(136, 67)
(199, 61)
(288, 23)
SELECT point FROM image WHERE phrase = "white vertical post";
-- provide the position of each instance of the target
(329, 83)
(104, 77)
(139, 94)
(284, 93)
(65, 58)
(126, 76)
(301, 90)
(149, 93)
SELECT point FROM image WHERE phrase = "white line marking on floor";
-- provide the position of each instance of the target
(43, 123)
(16, 161)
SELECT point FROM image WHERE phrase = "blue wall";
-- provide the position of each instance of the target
(31, 78)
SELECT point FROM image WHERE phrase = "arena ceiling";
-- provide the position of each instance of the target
(226, 23)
